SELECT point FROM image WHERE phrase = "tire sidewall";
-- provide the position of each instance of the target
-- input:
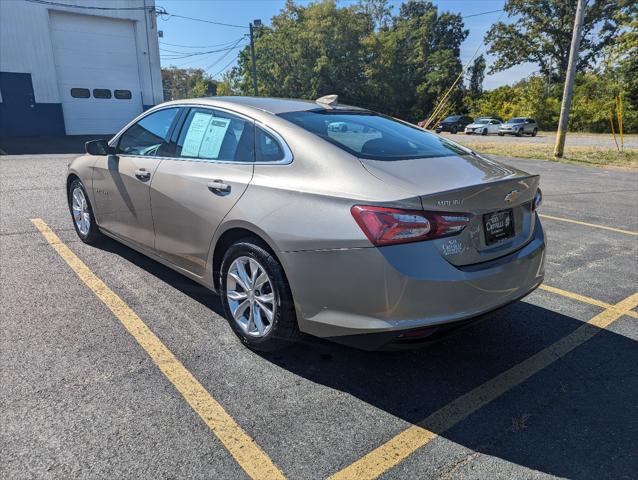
(284, 328)
(94, 231)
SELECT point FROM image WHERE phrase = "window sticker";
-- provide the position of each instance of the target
(195, 134)
(214, 137)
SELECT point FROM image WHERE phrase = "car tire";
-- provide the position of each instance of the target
(519, 133)
(484, 132)
(278, 331)
(501, 134)
(534, 132)
(453, 130)
(82, 213)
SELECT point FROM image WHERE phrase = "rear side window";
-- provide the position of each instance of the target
(101, 93)
(267, 148)
(122, 94)
(210, 134)
(373, 136)
(80, 93)
(149, 136)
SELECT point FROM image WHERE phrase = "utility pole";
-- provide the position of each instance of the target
(256, 23)
(569, 79)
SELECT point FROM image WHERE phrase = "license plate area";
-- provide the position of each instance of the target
(498, 226)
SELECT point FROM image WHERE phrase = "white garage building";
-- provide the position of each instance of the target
(76, 67)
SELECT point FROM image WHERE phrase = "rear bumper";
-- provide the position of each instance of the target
(388, 290)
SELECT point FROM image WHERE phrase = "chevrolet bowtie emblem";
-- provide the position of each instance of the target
(510, 197)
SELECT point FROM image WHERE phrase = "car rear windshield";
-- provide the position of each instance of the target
(373, 136)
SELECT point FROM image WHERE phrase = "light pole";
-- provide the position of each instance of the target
(254, 23)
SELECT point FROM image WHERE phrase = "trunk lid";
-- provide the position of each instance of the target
(467, 184)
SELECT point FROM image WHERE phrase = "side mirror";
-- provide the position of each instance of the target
(99, 147)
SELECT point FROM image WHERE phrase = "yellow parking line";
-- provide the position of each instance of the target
(578, 222)
(407, 442)
(582, 298)
(241, 446)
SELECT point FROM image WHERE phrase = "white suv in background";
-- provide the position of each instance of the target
(519, 126)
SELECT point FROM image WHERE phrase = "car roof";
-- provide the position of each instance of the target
(264, 104)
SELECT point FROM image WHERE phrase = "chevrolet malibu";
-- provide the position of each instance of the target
(379, 235)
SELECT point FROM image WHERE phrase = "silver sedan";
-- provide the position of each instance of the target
(315, 217)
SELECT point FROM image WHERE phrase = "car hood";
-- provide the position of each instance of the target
(476, 125)
(439, 174)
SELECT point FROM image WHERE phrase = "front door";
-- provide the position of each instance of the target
(122, 182)
(192, 193)
(17, 109)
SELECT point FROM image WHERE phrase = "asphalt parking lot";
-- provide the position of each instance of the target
(546, 388)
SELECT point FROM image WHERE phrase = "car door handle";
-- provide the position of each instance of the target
(142, 174)
(219, 187)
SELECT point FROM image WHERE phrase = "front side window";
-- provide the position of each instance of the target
(149, 136)
(209, 134)
(373, 136)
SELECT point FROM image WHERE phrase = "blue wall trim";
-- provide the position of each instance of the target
(20, 115)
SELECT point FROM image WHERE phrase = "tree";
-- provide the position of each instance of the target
(476, 72)
(187, 83)
(309, 51)
(415, 61)
(397, 65)
(541, 33)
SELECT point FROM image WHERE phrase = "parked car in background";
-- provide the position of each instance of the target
(384, 235)
(519, 126)
(483, 126)
(453, 123)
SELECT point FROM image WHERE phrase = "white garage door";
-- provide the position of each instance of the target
(96, 64)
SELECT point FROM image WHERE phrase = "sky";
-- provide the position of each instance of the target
(187, 33)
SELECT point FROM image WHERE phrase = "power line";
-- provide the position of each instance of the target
(482, 13)
(225, 67)
(197, 46)
(204, 21)
(84, 7)
(175, 55)
(220, 58)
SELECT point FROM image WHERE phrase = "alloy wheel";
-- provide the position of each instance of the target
(80, 208)
(250, 295)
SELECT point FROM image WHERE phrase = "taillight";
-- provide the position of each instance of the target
(538, 200)
(387, 226)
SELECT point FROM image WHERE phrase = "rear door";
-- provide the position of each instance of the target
(121, 182)
(193, 191)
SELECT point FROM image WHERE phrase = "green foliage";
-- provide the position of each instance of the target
(398, 65)
(541, 33)
(594, 96)
(476, 74)
(187, 83)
